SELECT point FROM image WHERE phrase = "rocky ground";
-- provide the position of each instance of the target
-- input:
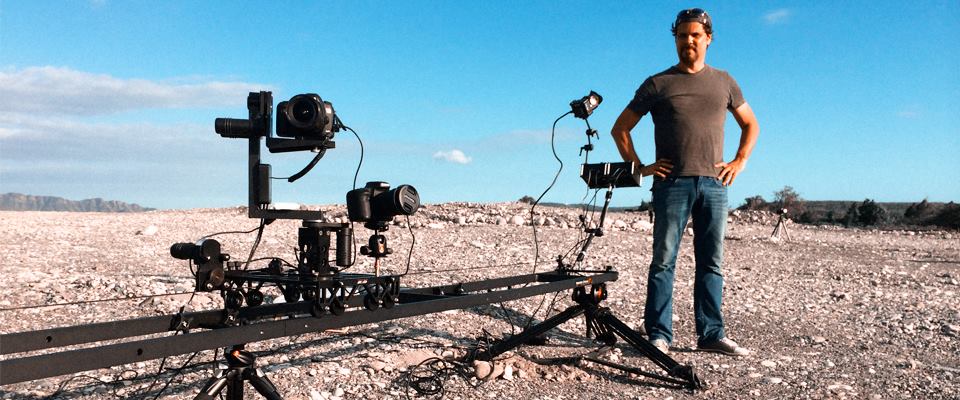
(829, 313)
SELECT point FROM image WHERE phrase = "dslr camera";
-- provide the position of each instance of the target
(307, 116)
(376, 204)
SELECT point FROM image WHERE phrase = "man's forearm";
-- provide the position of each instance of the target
(624, 144)
(621, 135)
(748, 139)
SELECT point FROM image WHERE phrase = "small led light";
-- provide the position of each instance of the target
(584, 107)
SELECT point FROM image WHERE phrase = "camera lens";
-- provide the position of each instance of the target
(304, 112)
(407, 199)
(403, 200)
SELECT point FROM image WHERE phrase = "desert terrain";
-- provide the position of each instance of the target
(829, 313)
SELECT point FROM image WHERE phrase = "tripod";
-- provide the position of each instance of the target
(241, 366)
(601, 322)
(781, 226)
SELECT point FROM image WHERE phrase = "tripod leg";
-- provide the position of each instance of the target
(684, 372)
(235, 385)
(533, 331)
(262, 384)
(214, 385)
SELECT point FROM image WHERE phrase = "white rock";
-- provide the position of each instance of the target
(497, 371)
(643, 225)
(508, 372)
(435, 225)
(148, 231)
(768, 363)
(517, 220)
(482, 369)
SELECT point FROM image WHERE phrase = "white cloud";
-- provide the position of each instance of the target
(64, 91)
(777, 16)
(910, 112)
(454, 156)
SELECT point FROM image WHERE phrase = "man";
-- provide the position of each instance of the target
(688, 103)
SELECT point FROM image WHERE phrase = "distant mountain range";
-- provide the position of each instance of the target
(26, 202)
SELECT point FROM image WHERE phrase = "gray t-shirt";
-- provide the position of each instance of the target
(688, 114)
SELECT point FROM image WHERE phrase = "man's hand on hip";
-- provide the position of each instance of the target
(661, 168)
(730, 170)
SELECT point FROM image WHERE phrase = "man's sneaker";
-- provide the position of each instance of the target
(661, 345)
(724, 346)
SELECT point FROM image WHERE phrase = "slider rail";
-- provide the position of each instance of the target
(206, 330)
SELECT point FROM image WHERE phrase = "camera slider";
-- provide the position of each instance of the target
(79, 348)
(618, 174)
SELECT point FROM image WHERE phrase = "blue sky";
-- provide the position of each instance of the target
(116, 99)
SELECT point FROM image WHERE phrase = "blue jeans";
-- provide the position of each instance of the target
(674, 201)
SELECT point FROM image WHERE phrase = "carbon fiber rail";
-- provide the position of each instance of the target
(207, 332)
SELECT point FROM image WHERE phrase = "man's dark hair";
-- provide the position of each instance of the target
(693, 15)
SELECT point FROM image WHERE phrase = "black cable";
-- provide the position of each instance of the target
(175, 375)
(274, 258)
(256, 243)
(163, 362)
(533, 223)
(63, 385)
(471, 268)
(357, 173)
(532, 315)
(413, 242)
(73, 303)
(553, 147)
(226, 233)
(428, 377)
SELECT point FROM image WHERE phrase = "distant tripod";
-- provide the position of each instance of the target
(781, 227)
(241, 366)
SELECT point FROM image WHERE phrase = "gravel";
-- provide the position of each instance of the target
(829, 313)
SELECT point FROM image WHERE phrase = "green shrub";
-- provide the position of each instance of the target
(853, 216)
(788, 199)
(754, 203)
(871, 213)
(948, 216)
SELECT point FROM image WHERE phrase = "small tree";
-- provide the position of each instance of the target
(871, 213)
(948, 216)
(754, 203)
(917, 211)
(811, 217)
(852, 217)
(789, 199)
(527, 199)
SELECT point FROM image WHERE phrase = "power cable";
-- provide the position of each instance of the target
(553, 147)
